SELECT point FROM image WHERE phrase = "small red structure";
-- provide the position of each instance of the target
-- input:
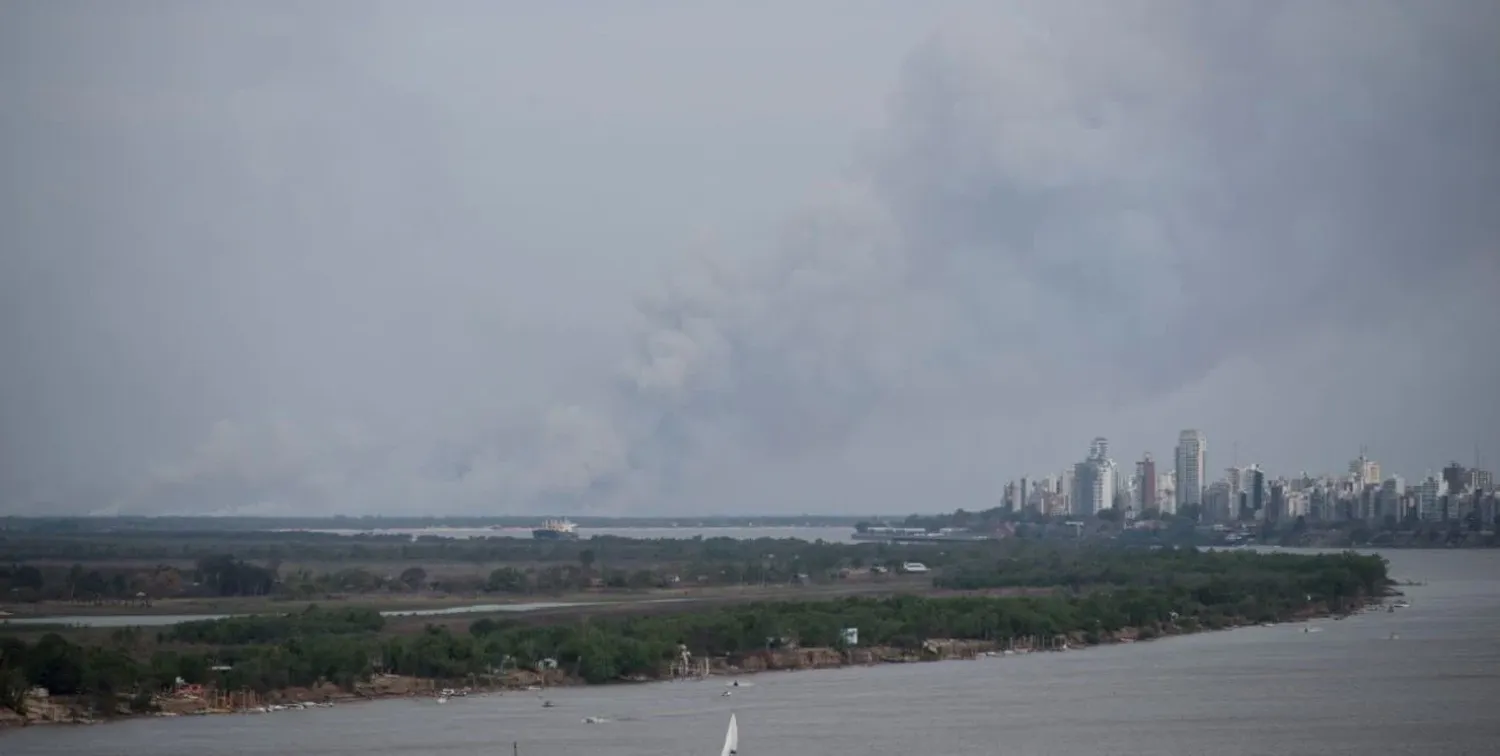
(187, 690)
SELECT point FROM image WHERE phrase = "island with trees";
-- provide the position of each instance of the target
(979, 598)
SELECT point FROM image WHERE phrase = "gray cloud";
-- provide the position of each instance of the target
(1129, 210)
(312, 239)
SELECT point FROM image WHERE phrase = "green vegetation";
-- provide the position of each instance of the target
(124, 566)
(325, 547)
(1210, 575)
(250, 630)
(1101, 591)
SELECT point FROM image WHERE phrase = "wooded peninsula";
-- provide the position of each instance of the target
(977, 598)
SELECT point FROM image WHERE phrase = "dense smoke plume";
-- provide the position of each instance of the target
(1051, 209)
(1068, 207)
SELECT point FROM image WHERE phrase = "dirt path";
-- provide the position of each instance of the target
(686, 601)
(584, 603)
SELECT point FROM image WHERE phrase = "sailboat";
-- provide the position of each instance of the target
(731, 738)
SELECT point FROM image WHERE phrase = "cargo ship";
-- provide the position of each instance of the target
(556, 530)
(919, 535)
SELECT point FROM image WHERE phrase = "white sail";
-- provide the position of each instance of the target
(731, 738)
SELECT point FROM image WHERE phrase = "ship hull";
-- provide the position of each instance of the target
(543, 534)
(923, 538)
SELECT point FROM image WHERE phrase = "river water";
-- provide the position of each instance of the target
(809, 533)
(1348, 688)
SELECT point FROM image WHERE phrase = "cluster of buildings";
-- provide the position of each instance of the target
(1462, 495)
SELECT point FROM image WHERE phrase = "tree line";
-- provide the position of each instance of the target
(1079, 566)
(254, 568)
(265, 548)
(217, 575)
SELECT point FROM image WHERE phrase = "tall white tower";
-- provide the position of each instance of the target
(1191, 449)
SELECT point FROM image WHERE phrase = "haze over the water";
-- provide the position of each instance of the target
(466, 257)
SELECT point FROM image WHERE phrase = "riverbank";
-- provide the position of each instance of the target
(1051, 599)
(194, 702)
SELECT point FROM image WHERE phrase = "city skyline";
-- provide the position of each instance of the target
(1242, 488)
(1213, 470)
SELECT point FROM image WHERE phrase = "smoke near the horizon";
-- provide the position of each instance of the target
(1106, 187)
(1068, 205)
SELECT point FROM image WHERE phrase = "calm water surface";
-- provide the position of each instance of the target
(835, 534)
(1348, 689)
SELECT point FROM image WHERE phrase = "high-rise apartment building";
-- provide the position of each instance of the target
(1428, 492)
(1217, 502)
(1456, 477)
(1276, 508)
(1254, 499)
(1365, 471)
(1235, 476)
(1166, 491)
(1389, 502)
(1145, 473)
(1191, 450)
(1099, 449)
(1104, 487)
(1083, 502)
(1094, 481)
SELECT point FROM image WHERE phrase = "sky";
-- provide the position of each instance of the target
(464, 257)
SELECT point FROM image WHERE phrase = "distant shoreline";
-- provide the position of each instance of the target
(97, 525)
(516, 526)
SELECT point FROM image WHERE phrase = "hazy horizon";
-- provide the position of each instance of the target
(523, 521)
(476, 258)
